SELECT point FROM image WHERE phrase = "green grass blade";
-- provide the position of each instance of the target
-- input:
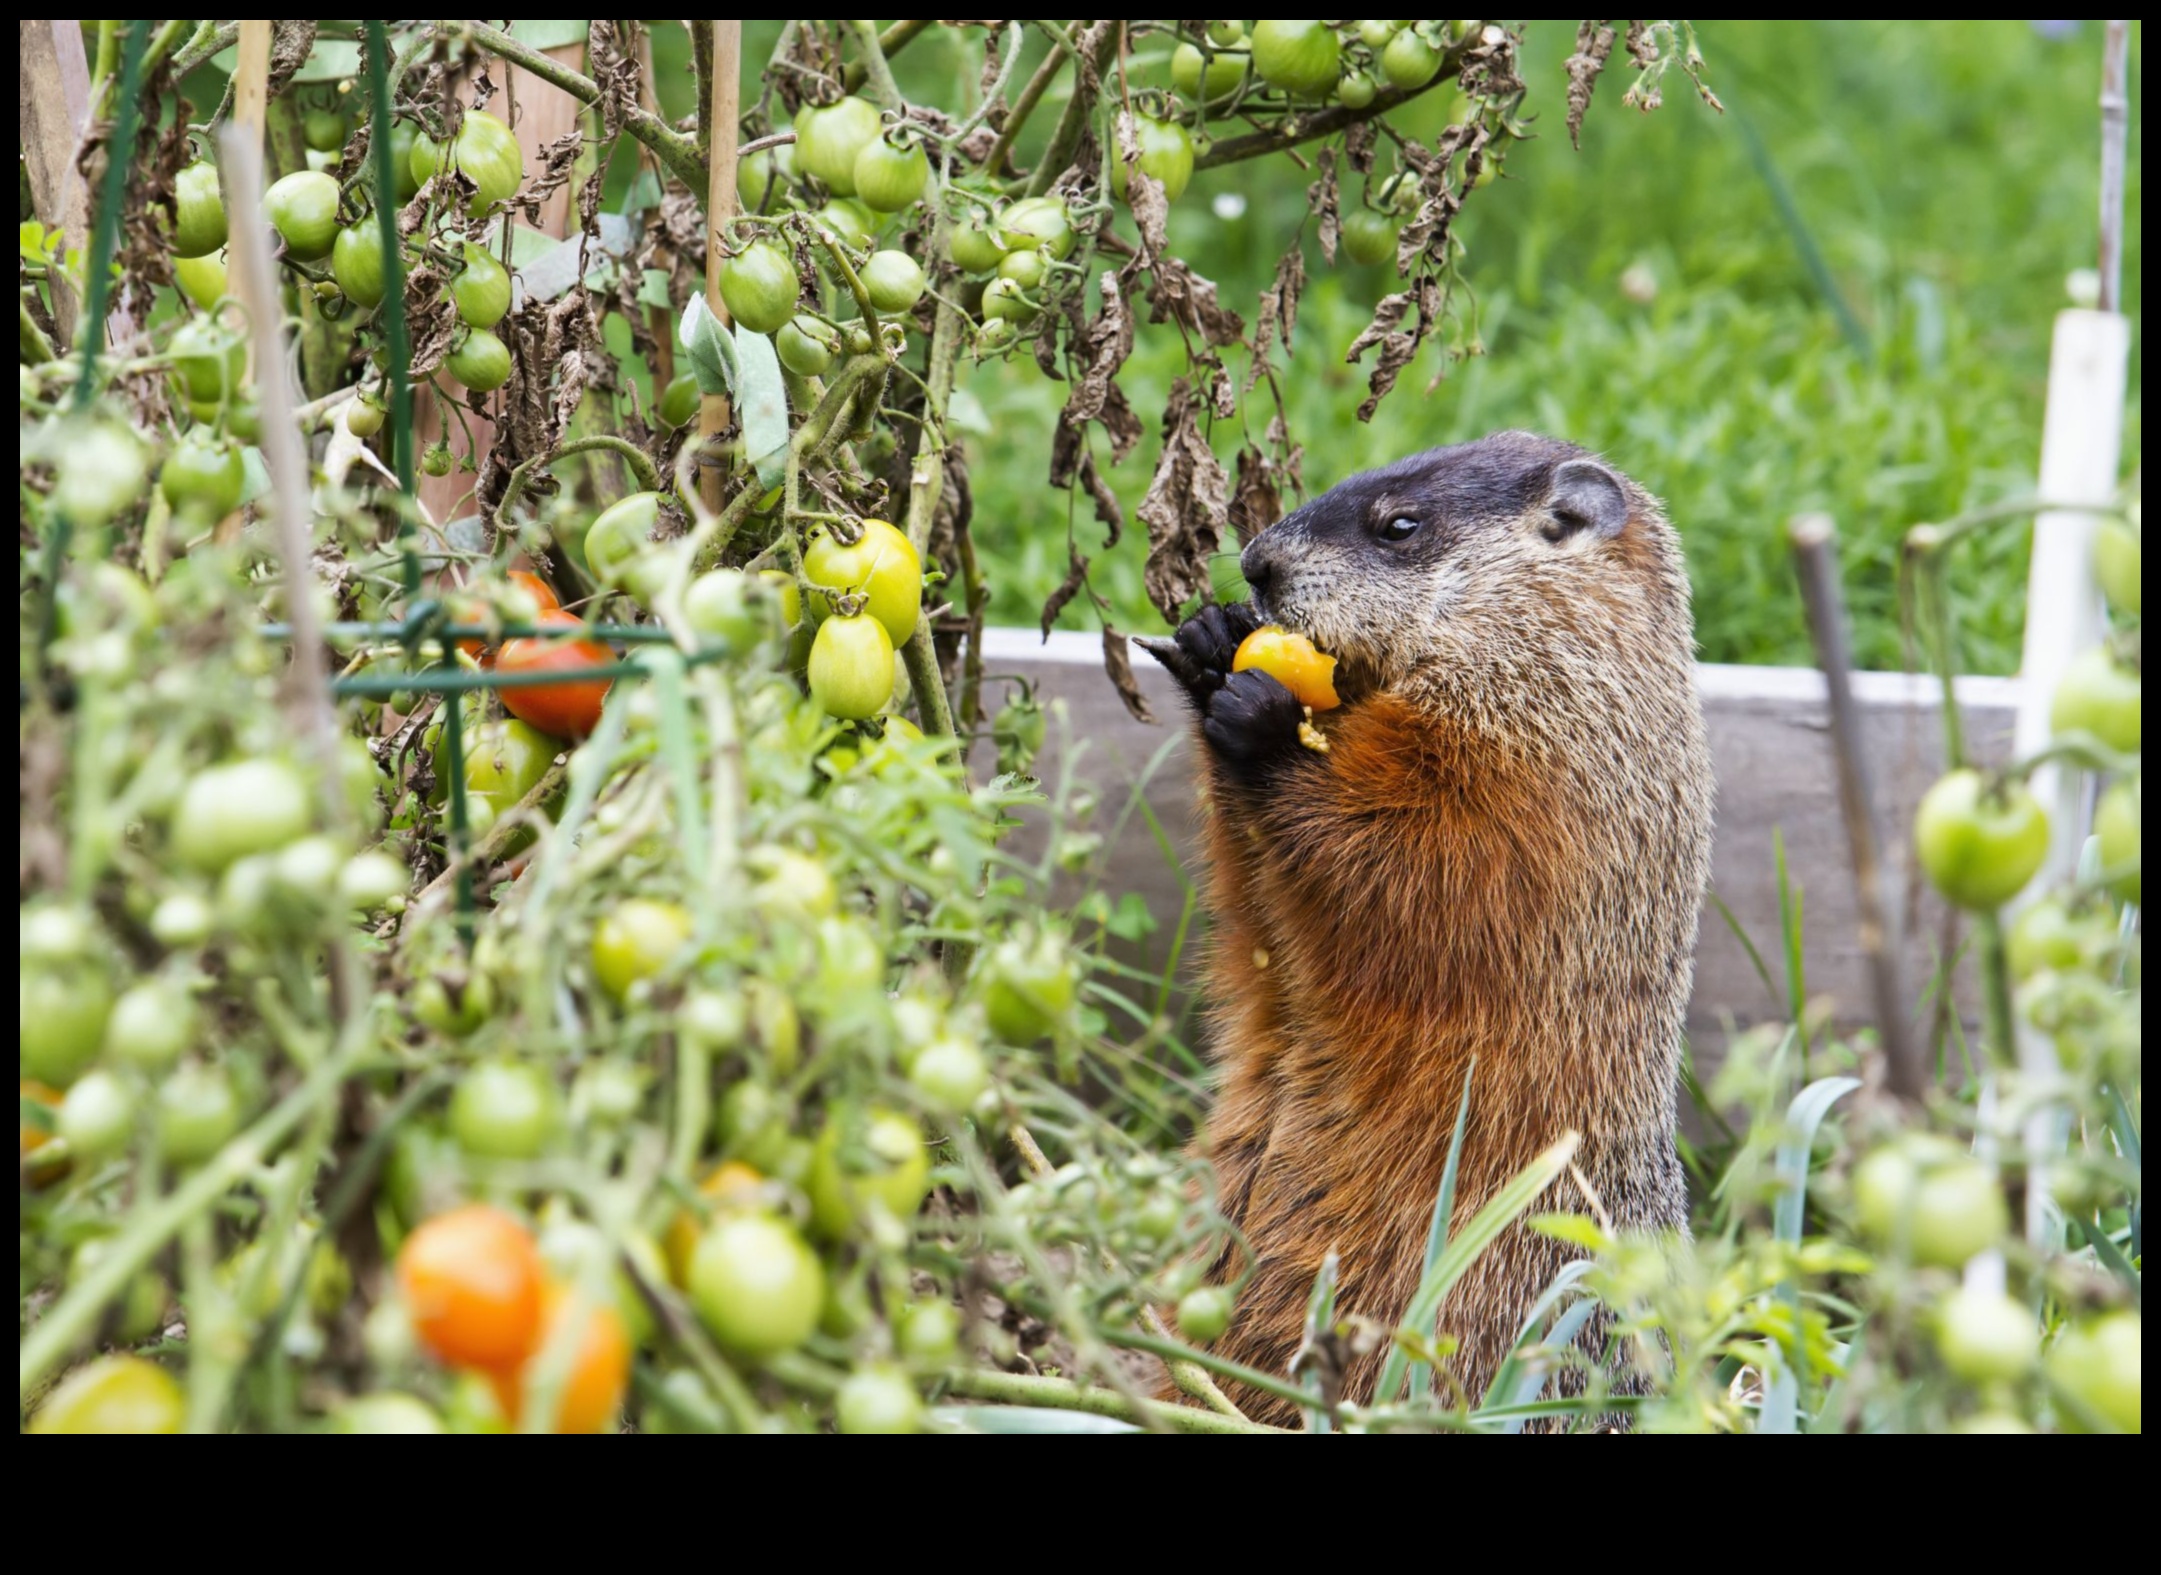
(1524, 1387)
(1748, 945)
(1504, 1376)
(1803, 1117)
(1515, 1196)
(2110, 1255)
(1320, 1314)
(1444, 1205)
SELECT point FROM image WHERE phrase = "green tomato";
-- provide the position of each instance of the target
(1166, 156)
(404, 186)
(974, 243)
(732, 609)
(481, 361)
(882, 565)
(928, 1332)
(323, 130)
(452, 1000)
(152, 1025)
(806, 346)
(1985, 1337)
(636, 940)
(1027, 270)
(114, 1394)
(201, 279)
(231, 811)
(1369, 237)
(678, 405)
(994, 336)
(1208, 80)
(504, 1110)
(303, 207)
(878, 1400)
(435, 460)
(197, 1112)
(889, 176)
(759, 287)
(199, 208)
(484, 152)
(1408, 61)
(2095, 1367)
(882, 1163)
(202, 478)
(1376, 34)
(98, 1116)
(755, 175)
(481, 291)
(791, 883)
(830, 138)
(1357, 90)
(851, 667)
(182, 920)
(1038, 224)
(364, 415)
(1941, 1205)
(1204, 1313)
(949, 1074)
(389, 1412)
(504, 761)
(371, 881)
(1228, 34)
(1979, 847)
(2116, 554)
(850, 221)
(208, 360)
(756, 1285)
(2047, 935)
(1303, 59)
(893, 280)
(2099, 695)
(620, 536)
(2116, 822)
(1027, 990)
(1005, 301)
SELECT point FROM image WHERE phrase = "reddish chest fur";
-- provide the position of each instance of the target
(1417, 898)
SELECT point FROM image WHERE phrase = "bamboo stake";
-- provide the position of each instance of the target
(251, 81)
(2115, 132)
(724, 113)
(51, 116)
(1815, 561)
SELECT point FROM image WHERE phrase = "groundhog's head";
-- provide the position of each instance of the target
(1508, 558)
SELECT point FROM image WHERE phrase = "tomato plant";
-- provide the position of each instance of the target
(303, 207)
(484, 154)
(200, 211)
(1980, 842)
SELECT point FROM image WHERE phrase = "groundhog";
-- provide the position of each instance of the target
(1499, 854)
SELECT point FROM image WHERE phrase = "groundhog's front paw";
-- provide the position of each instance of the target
(1200, 656)
(1251, 722)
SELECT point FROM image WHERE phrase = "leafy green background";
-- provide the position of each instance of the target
(1945, 172)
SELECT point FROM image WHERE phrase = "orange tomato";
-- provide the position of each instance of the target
(34, 1138)
(599, 1371)
(472, 1283)
(1293, 661)
(545, 601)
(727, 1184)
(567, 710)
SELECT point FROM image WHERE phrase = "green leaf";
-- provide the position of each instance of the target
(1025, 1419)
(1578, 1230)
(743, 366)
(1320, 1314)
(1803, 1116)
(1444, 1203)
(1515, 1196)
(1131, 920)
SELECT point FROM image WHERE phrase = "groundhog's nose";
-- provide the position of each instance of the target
(1259, 562)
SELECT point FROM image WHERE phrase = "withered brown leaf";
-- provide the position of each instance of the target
(1118, 663)
(1187, 507)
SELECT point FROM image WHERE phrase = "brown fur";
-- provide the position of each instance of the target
(1500, 856)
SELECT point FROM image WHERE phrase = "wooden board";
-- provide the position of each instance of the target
(1769, 746)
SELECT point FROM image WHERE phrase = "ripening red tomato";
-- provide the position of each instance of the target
(570, 709)
(599, 1367)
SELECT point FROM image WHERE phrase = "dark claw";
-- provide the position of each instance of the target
(1200, 656)
(1252, 722)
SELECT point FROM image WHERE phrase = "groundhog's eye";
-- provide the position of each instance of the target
(1401, 528)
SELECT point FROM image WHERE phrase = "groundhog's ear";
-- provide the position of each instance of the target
(1586, 496)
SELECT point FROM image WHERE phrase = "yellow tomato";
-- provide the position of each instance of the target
(1294, 662)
